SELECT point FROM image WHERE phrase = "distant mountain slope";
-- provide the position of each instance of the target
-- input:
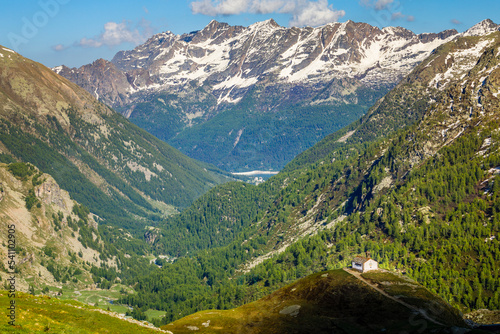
(332, 302)
(412, 97)
(314, 175)
(253, 97)
(103, 161)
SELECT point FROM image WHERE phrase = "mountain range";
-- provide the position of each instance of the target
(254, 97)
(413, 183)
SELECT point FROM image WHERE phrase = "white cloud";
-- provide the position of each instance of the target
(304, 12)
(221, 7)
(316, 14)
(382, 4)
(269, 6)
(118, 33)
(377, 4)
(59, 47)
(397, 15)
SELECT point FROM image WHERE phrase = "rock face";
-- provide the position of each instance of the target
(43, 230)
(172, 83)
(51, 194)
(101, 78)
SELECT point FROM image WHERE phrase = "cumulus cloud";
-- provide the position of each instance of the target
(316, 14)
(304, 12)
(117, 33)
(456, 22)
(382, 4)
(223, 7)
(271, 6)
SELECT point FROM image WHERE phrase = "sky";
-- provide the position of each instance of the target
(77, 32)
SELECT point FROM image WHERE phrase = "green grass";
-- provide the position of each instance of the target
(42, 314)
(381, 276)
(101, 297)
(152, 314)
(414, 294)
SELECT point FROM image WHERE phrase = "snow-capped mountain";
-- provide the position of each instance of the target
(231, 58)
(192, 77)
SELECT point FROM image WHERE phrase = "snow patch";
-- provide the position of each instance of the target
(57, 69)
(227, 98)
(236, 81)
(465, 60)
(240, 132)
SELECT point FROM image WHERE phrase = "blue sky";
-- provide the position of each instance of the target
(77, 32)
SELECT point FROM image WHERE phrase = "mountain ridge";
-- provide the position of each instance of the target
(79, 140)
(191, 89)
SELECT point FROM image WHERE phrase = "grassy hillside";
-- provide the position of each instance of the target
(81, 183)
(54, 244)
(326, 302)
(42, 314)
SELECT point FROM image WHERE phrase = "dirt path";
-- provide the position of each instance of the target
(357, 274)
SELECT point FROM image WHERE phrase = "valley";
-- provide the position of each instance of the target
(387, 146)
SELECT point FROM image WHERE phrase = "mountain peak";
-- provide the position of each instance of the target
(265, 24)
(273, 23)
(482, 28)
(213, 27)
(101, 62)
(214, 24)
